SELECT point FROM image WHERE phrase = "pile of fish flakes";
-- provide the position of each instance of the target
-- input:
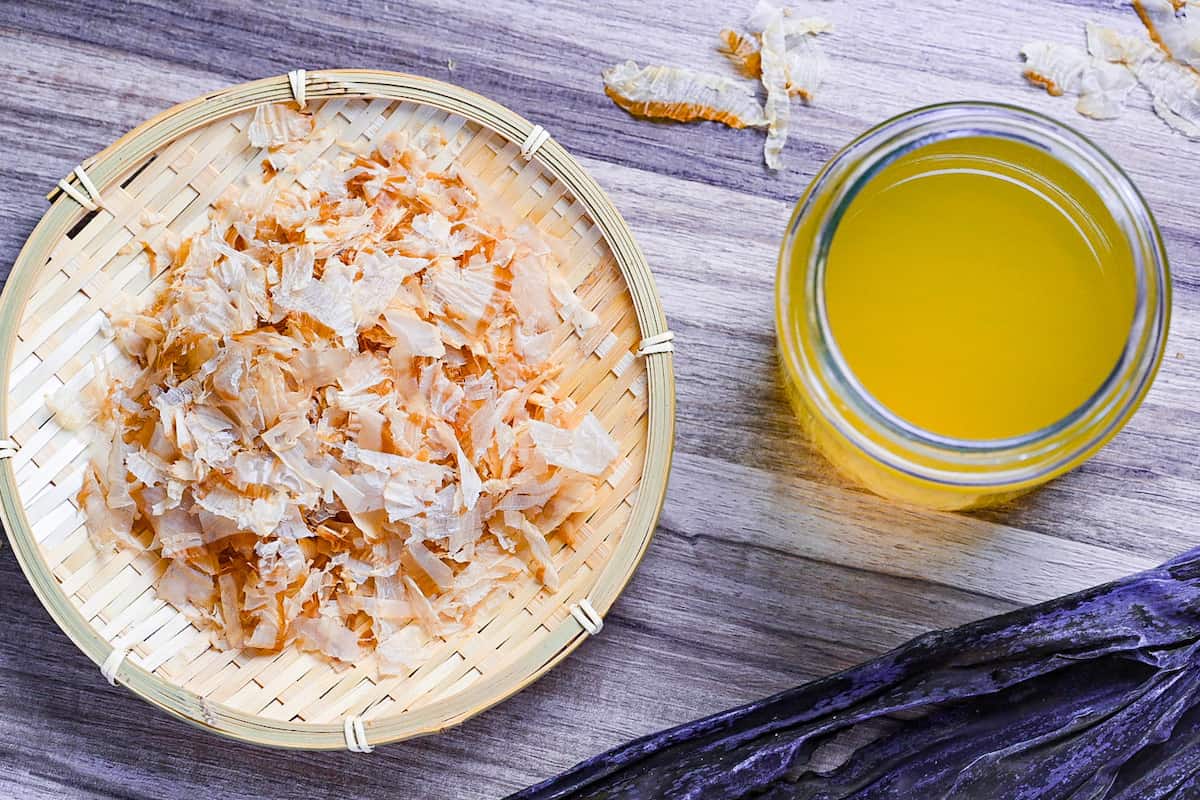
(340, 427)
(1165, 60)
(779, 51)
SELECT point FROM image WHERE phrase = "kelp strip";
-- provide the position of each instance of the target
(1095, 695)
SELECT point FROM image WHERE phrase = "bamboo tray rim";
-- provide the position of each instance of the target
(147, 138)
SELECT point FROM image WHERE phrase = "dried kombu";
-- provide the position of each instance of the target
(1095, 695)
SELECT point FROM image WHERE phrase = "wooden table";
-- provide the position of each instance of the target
(767, 570)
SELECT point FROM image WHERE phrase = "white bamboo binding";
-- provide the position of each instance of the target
(537, 137)
(660, 343)
(587, 617)
(298, 82)
(112, 664)
(8, 448)
(91, 200)
(356, 735)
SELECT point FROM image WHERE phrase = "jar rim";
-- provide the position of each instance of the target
(1023, 459)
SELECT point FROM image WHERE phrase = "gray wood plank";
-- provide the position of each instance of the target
(767, 568)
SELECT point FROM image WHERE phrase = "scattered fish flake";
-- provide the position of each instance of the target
(743, 52)
(1055, 67)
(775, 70)
(1174, 25)
(1174, 87)
(683, 95)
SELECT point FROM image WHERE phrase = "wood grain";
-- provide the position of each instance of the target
(767, 570)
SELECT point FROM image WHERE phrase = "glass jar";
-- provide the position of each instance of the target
(875, 447)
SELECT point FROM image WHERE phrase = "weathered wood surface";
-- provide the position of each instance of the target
(767, 570)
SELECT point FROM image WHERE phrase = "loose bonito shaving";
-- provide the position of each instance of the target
(1166, 62)
(780, 51)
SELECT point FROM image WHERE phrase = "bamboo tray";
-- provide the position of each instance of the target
(78, 262)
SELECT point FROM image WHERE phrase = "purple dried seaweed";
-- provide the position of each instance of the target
(1093, 696)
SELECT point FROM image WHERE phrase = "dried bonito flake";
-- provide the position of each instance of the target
(743, 52)
(1166, 63)
(277, 124)
(792, 64)
(775, 71)
(338, 423)
(1175, 26)
(1103, 90)
(682, 95)
(779, 51)
(1174, 87)
(1055, 67)
(1062, 68)
(806, 64)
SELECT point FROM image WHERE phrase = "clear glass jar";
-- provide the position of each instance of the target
(875, 447)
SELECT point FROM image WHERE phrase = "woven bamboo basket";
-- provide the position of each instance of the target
(77, 263)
